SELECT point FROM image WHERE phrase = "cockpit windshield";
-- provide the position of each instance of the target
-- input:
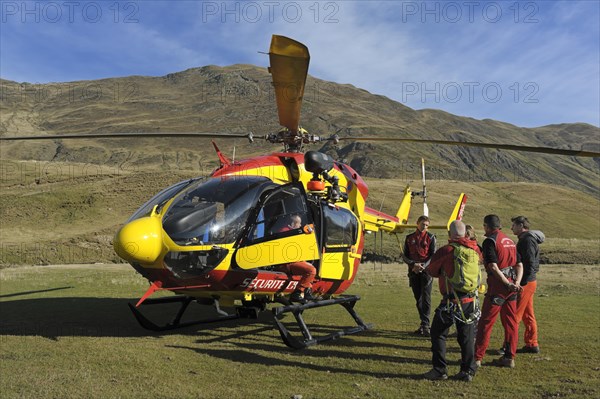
(213, 211)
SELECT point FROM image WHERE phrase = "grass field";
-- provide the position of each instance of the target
(66, 332)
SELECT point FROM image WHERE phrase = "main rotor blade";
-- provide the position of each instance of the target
(248, 136)
(289, 66)
(545, 150)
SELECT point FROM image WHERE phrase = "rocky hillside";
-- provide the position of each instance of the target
(240, 98)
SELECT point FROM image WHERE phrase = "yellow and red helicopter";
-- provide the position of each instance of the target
(215, 240)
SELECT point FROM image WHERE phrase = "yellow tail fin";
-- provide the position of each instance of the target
(404, 208)
(459, 209)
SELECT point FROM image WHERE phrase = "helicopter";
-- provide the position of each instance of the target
(217, 240)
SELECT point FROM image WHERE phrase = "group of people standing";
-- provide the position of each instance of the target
(511, 283)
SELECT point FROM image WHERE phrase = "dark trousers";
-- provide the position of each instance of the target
(465, 335)
(421, 287)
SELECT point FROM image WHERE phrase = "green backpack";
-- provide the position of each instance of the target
(467, 275)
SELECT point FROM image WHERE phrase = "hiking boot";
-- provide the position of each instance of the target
(297, 296)
(308, 295)
(504, 362)
(463, 376)
(423, 331)
(529, 349)
(434, 375)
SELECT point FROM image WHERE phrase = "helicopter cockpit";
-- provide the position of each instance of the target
(213, 211)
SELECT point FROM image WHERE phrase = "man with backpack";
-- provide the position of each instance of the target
(457, 266)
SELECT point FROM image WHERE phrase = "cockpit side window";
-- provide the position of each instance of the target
(341, 227)
(284, 211)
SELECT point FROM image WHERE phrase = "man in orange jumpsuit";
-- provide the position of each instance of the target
(504, 271)
(529, 250)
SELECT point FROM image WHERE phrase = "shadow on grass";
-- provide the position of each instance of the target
(251, 357)
(53, 318)
(34, 292)
(400, 340)
(87, 317)
(252, 341)
(110, 317)
(337, 350)
(60, 317)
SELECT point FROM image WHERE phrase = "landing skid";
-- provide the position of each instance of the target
(252, 310)
(347, 301)
(176, 322)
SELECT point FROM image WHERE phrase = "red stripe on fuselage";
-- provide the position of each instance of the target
(255, 163)
(259, 281)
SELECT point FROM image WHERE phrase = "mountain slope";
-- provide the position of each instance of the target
(240, 98)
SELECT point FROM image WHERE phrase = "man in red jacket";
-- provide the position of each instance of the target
(504, 269)
(418, 249)
(442, 265)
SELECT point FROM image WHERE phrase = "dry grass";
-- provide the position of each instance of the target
(67, 333)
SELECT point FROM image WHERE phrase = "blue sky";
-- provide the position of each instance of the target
(529, 63)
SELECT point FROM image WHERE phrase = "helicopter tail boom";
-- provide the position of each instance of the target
(379, 221)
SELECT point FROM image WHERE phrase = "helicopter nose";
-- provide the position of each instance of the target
(140, 240)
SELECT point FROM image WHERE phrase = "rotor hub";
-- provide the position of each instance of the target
(293, 141)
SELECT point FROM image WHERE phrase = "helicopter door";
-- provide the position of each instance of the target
(341, 229)
(282, 231)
